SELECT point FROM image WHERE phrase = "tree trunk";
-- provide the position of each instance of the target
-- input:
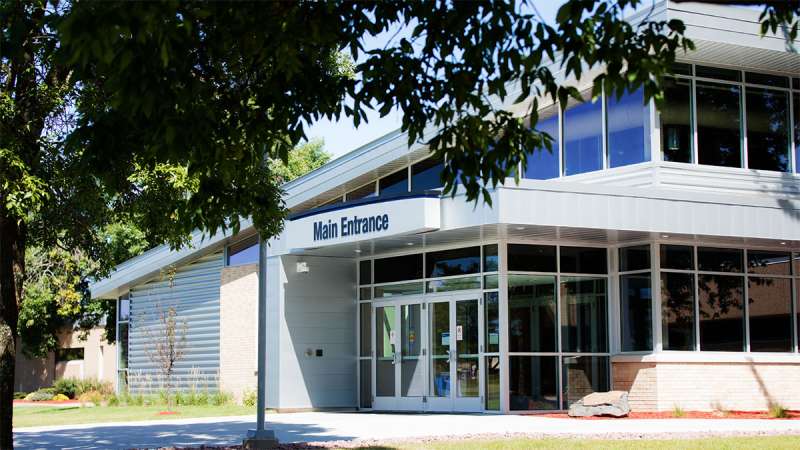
(12, 264)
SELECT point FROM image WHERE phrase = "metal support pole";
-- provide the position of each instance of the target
(261, 438)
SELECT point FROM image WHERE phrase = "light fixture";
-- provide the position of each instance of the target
(409, 244)
(520, 228)
(665, 236)
(783, 243)
(357, 251)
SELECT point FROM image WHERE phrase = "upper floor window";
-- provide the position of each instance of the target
(426, 175)
(583, 136)
(728, 118)
(243, 252)
(628, 130)
(395, 183)
(542, 163)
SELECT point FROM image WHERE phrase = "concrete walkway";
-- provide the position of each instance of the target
(310, 427)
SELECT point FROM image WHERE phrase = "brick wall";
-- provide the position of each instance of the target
(705, 386)
(238, 329)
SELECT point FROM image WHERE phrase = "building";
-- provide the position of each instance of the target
(92, 358)
(657, 253)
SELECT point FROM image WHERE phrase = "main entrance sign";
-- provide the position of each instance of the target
(370, 219)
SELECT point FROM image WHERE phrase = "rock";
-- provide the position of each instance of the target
(613, 403)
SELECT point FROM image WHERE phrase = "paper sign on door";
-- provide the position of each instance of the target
(445, 339)
(392, 338)
(459, 333)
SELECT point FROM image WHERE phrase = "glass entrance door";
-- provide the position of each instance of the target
(427, 355)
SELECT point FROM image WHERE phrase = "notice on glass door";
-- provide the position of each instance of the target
(459, 333)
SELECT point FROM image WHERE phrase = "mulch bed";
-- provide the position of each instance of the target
(792, 415)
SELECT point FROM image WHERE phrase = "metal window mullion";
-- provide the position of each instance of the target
(693, 119)
(696, 292)
(746, 307)
(795, 299)
(743, 152)
(561, 145)
(655, 289)
(793, 117)
(604, 129)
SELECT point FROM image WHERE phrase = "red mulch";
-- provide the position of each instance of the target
(167, 413)
(792, 415)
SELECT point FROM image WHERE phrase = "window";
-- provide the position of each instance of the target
(718, 73)
(396, 183)
(243, 252)
(768, 262)
(719, 259)
(628, 131)
(679, 257)
(490, 258)
(426, 175)
(767, 129)
(365, 336)
(721, 312)
(124, 309)
(583, 315)
(69, 354)
(677, 311)
(583, 375)
(634, 258)
(462, 261)
(543, 163)
(533, 383)
(492, 383)
(766, 80)
(636, 300)
(531, 258)
(398, 268)
(531, 313)
(491, 316)
(719, 124)
(366, 191)
(770, 314)
(676, 120)
(583, 137)
(365, 272)
(584, 260)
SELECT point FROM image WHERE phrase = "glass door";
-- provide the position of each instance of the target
(440, 376)
(467, 391)
(400, 356)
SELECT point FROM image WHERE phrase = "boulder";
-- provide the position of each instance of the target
(613, 403)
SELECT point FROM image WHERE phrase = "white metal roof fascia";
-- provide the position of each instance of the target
(150, 263)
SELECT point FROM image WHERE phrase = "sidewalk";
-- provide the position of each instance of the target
(315, 427)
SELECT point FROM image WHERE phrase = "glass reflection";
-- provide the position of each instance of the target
(719, 124)
(583, 375)
(636, 313)
(426, 175)
(721, 312)
(542, 163)
(628, 133)
(583, 315)
(767, 129)
(677, 311)
(533, 383)
(531, 313)
(676, 120)
(770, 314)
(583, 137)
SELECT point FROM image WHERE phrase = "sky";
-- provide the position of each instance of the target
(341, 137)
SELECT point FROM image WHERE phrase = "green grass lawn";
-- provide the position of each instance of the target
(47, 415)
(772, 442)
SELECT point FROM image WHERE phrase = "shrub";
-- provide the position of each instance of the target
(68, 386)
(39, 396)
(677, 411)
(114, 400)
(60, 398)
(777, 411)
(249, 399)
(20, 395)
(48, 390)
(220, 398)
(95, 397)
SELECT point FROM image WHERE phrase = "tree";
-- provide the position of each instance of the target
(303, 159)
(167, 346)
(167, 115)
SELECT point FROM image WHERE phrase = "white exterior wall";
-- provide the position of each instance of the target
(309, 312)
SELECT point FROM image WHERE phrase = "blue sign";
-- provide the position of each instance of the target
(350, 226)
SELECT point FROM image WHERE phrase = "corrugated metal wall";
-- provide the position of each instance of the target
(195, 296)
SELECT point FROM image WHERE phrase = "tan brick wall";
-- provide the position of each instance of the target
(99, 362)
(238, 330)
(741, 386)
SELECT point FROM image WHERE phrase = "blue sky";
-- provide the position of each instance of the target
(341, 137)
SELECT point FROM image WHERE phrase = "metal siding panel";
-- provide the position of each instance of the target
(195, 295)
